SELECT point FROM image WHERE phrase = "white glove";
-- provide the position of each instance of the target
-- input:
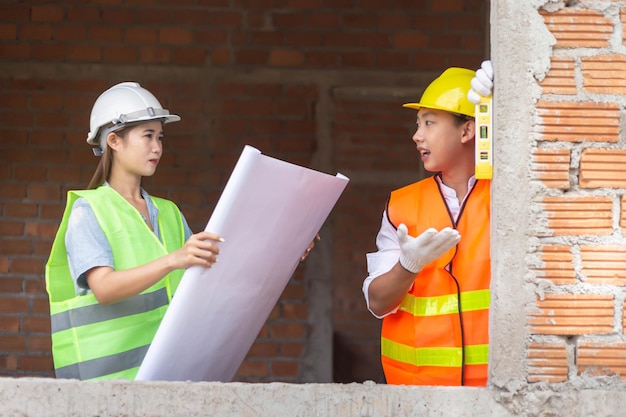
(418, 252)
(482, 83)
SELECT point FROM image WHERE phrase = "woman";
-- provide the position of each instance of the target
(119, 253)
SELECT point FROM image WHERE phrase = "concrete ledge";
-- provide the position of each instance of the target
(48, 397)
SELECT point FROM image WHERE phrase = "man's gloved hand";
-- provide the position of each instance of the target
(418, 252)
(482, 83)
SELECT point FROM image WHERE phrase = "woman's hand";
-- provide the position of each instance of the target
(200, 249)
(309, 248)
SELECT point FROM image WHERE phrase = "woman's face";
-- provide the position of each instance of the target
(139, 148)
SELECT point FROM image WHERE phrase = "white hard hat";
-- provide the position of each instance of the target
(120, 105)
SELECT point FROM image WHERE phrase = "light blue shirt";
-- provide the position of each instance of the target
(87, 247)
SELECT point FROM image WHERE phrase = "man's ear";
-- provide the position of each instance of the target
(469, 131)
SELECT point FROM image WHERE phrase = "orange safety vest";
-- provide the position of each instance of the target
(440, 333)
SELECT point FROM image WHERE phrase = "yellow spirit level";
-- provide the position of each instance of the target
(484, 132)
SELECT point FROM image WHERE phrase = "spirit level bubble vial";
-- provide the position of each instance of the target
(483, 140)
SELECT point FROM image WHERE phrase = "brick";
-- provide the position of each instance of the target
(287, 330)
(302, 39)
(604, 264)
(105, 33)
(15, 247)
(15, 50)
(226, 19)
(70, 33)
(9, 324)
(448, 5)
(573, 314)
(21, 210)
(8, 285)
(374, 40)
(602, 168)
(175, 36)
(84, 53)
(296, 311)
(601, 358)
(410, 40)
(250, 57)
(158, 17)
(117, 54)
(288, 20)
(357, 59)
(578, 122)
(551, 167)
(604, 74)
(47, 14)
(286, 58)
(27, 266)
(263, 349)
(560, 77)
(14, 13)
(266, 37)
(557, 265)
(252, 368)
(38, 344)
(394, 22)
(547, 362)
(83, 14)
(285, 368)
(155, 55)
(579, 28)
(323, 20)
(36, 324)
(140, 35)
(36, 363)
(12, 190)
(9, 362)
(44, 192)
(35, 32)
(579, 215)
(359, 20)
(291, 350)
(12, 343)
(211, 36)
(4, 267)
(47, 100)
(11, 228)
(40, 305)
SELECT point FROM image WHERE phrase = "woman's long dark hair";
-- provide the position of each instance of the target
(104, 167)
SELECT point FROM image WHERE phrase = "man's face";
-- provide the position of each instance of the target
(439, 137)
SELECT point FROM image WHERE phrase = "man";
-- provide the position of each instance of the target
(429, 280)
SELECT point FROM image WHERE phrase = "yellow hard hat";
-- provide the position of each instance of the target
(448, 92)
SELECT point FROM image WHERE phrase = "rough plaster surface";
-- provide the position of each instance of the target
(517, 55)
(71, 398)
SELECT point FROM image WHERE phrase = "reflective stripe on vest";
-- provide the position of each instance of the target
(440, 356)
(94, 341)
(445, 304)
(421, 342)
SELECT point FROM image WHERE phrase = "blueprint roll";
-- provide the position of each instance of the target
(268, 213)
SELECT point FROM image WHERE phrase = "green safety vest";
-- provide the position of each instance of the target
(94, 341)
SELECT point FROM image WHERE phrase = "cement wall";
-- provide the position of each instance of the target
(42, 397)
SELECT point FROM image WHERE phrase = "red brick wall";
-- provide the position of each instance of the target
(577, 324)
(258, 72)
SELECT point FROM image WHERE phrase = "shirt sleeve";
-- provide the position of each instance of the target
(188, 231)
(383, 260)
(86, 244)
